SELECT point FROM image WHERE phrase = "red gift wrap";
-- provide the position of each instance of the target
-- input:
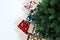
(24, 26)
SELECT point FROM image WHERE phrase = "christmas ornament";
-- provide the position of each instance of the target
(29, 17)
(30, 5)
(24, 26)
(33, 37)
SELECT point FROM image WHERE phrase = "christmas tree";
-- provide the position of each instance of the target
(47, 19)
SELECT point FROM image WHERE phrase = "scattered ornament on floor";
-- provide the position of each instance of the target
(33, 37)
(24, 26)
(29, 17)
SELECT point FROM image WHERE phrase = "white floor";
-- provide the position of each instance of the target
(10, 11)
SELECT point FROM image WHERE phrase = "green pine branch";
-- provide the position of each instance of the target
(47, 18)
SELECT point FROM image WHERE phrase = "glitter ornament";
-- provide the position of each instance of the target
(29, 17)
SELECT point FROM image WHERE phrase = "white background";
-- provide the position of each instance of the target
(10, 11)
